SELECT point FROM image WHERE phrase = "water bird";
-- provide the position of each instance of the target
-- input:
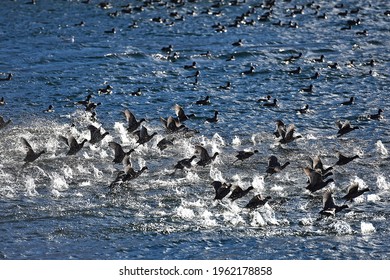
(242, 155)
(274, 166)
(119, 153)
(308, 89)
(184, 163)
(3, 123)
(353, 191)
(257, 201)
(165, 143)
(317, 165)
(264, 99)
(287, 134)
(226, 87)
(2, 101)
(238, 192)
(111, 31)
(196, 75)
(342, 159)
(362, 33)
(329, 208)
(126, 175)
(181, 115)
(138, 92)
(221, 189)
(107, 90)
(334, 65)
(31, 155)
(377, 116)
(293, 58)
(320, 59)
(143, 135)
(231, 58)
(205, 158)
(132, 123)
(95, 134)
(295, 71)
(214, 118)
(192, 66)
(84, 102)
(8, 78)
(304, 109)
(274, 103)
(344, 127)
(250, 71)
(205, 101)
(349, 102)
(91, 106)
(238, 43)
(280, 128)
(171, 124)
(168, 49)
(315, 76)
(74, 146)
(316, 180)
(50, 109)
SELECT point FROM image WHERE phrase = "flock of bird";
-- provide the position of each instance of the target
(176, 126)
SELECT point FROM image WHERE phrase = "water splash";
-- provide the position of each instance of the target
(381, 149)
(367, 228)
(30, 186)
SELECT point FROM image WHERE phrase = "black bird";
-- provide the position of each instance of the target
(164, 143)
(342, 160)
(107, 90)
(119, 154)
(189, 67)
(91, 106)
(213, 119)
(274, 166)
(96, 134)
(271, 104)
(238, 192)
(295, 71)
(2, 101)
(221, 189)
(168, 49)
(264, 99)
(205, 101)
(316, 164)
(184, 163)
(171, 124)
(315, 76)
(257, 201)
(226, 87)
(304, 109)
(377, 116)
(3, 123)
(288, 134)
(143, 135)
(31, 155)
(86, 101)
(205, 158)
(320, 59)
(126, 175)
(250, 71)
(8, 78)
(316, 180)
(181, 115)
(133, 124)
(344, 128)
(73, 145)
(349, 102)
(138, 92)
(280, 129)
(238, 43)
(308, 89)
(329, 207)
(244, 155)
(50, 109)
(353, 191)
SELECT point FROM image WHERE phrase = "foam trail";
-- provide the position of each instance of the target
(381, 149)
(367, 228)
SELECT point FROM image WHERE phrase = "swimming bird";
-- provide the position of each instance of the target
(257, 201)
(3, 123)
(132, 122)
(165, 143)
(107, 90)
(316, 180)
(95, 134)
(244, 155)
(329, 207)
(138, 92)
(73, 145)
(213, 119)
(320, 59)
(8, 78)
(221, 189)
(226, 87)
(172, 125)
(271, 104)
(181, 115)
(274, 166)
(205, 101)
(238, 43)
(168, 49)
(250, 71)
(2, 101)
(308, 89)
(86, 101)
(31, 155)
(349, 102)
(342, 160)
(192, 66)
(50, 109)
(184, 163)
(119, 153)
(344, 128)
(354, 191)
(143, 135)
(264, 99)
(315, 76)
(91, 106)
(295, 71)
(205, 158)
(377, 116)
(238, 192)
(304, 109)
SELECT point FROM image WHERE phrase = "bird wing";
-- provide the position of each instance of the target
(117, 148)
(290, 131)
(130, 117)
(204, 155)
(72, 142)
(273, 161)
(353, 188)
(26, 144)
(64, 139)
(327, 200)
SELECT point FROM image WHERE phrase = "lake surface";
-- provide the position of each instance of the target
(61, 207)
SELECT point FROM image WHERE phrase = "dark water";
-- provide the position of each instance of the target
(61, 207)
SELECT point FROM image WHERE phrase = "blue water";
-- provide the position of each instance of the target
(61, 207)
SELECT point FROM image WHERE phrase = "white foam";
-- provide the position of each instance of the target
(381, 149)
(367, 228)
(215, 174)
(342, 227)
(97, 173)
(58, 182)
(258, 183)
(382, 183)
(207, 220)
(30, 186)
(185, 213)
(256, 219)
(236, 141)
